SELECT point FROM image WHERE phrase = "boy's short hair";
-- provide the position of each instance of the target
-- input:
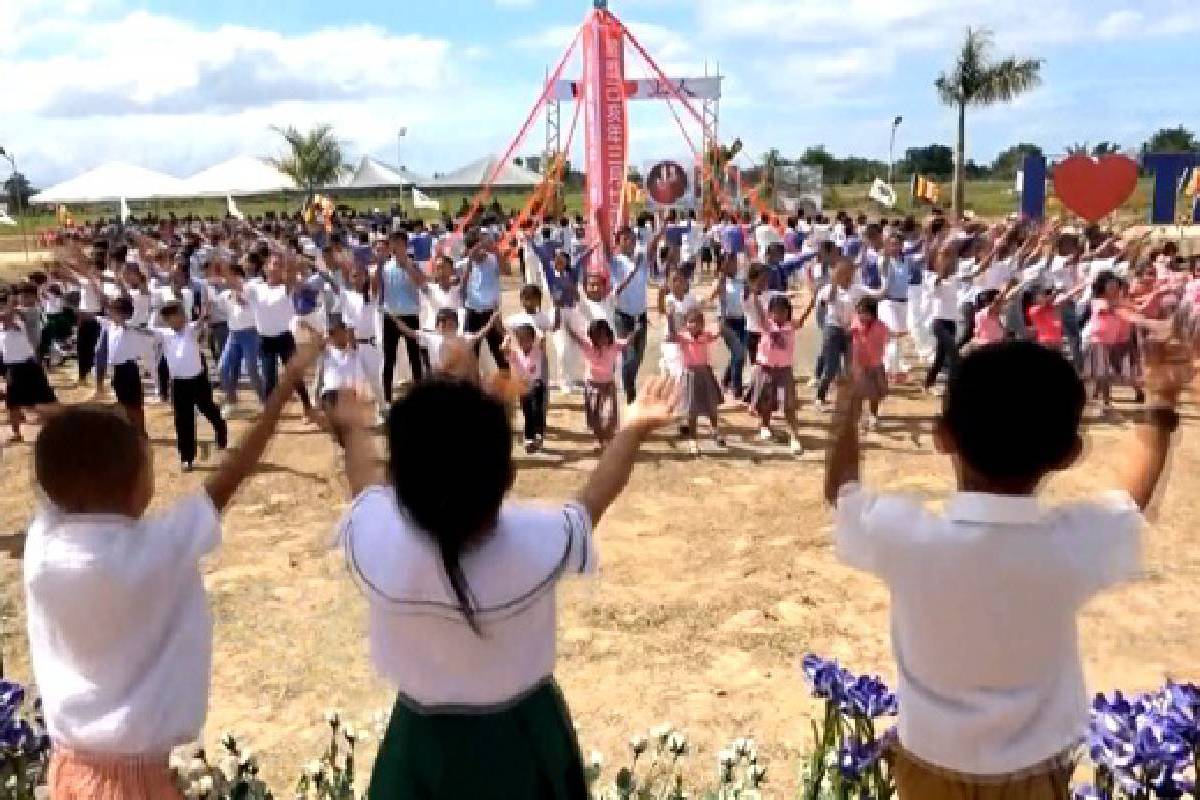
(123, 305)
(989, 410)
(446, 315)
(531, 292)
(81, 479)
(171, 310)
(869, 305)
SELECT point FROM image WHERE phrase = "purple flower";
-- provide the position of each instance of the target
(828, 679)
(869, 697)
(856, 757)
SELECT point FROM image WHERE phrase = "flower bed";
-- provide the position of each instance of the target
(1138, 748)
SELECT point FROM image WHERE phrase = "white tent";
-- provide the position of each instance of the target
(476, 173)
(109, 183)
(375, 174)
(238, 177)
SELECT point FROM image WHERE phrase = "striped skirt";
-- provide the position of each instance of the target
(525, 748)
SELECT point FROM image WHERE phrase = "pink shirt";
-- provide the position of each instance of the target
(600, 363)
(777, 346)
(528, 366)
(868, 343)
(1105, 327)
(988, 329)
(1047, 323)
(695, 350)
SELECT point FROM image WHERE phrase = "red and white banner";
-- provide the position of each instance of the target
(649, 89)
(605, 122)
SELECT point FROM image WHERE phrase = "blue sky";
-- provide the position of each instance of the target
(178, 85)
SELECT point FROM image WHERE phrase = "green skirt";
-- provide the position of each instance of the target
(524, 750)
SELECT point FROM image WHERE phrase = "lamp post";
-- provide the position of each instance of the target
(892, 147)
(400, 134)
(12, 162)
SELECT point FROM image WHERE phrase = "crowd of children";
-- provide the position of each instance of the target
(460, 586)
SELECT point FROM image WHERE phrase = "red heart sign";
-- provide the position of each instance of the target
(1093, 188)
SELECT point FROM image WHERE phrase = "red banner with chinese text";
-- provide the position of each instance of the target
(605, 122)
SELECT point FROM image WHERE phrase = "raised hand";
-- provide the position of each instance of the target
(655, 405)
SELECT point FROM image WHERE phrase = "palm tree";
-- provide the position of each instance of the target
(976, 80)
(314, 158)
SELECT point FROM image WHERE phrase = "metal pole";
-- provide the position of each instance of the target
(892, 148)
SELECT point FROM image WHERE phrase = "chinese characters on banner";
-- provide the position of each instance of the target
(605, 124)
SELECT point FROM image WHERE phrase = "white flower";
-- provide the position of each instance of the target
(677, 744)
(205, 784)
(313, 768)
(638, 744)
(596, 760)
(661, 731)
(726, 758)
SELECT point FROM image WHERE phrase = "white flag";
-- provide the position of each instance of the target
(124, 210)
(1019, 186)
(232, 209)
(882, 193)
(422, 200)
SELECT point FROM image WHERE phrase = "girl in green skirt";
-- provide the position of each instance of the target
(461, 589)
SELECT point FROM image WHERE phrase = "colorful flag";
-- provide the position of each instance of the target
(882, 193)
(925, 189)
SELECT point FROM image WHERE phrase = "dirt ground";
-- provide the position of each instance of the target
(717, 576)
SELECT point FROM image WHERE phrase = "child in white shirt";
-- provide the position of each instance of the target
(985, 594)
(27, 385)
(460, 584)
(191, 390)
(120, 634)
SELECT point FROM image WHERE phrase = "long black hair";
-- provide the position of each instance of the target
(450, 462)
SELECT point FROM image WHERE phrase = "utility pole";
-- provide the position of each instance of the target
(892, 147)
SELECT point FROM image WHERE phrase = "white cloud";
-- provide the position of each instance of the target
(514, 3)
(1119, 24)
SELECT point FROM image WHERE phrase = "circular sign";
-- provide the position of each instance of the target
(667, 183)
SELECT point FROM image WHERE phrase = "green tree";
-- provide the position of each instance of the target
(314, 159)
(935, 160)
(1172, 140)
(18, 191)
(976, 80)
(1079, 149)
(1010, 161)
(818, 156)
(1106, 149)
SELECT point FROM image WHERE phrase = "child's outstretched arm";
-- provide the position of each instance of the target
(351, 418)
(843, 461)
(492, 322)
(655, 407)
(1151, 444)
(244, 456)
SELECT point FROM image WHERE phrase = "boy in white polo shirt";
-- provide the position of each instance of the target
(985, 594)
(120, 633)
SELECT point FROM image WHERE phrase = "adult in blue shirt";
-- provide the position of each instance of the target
(399, 288)
(779, 270)
(733, 238)
(420, 244)
(630, 288)
(480, 272)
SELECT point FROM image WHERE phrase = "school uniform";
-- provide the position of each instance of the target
(190, 389)
(732, 313)
(476, 716)
(87, 334)
(341, 371)
(402, 299)
(273, 313)
(361, 316)
(482, 298)
(630, 317)
(121, 651)
(126, 347)
(531, 369)
(985, 597)
(27, 383)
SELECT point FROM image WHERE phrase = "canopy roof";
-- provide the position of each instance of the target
(475, 173)
(374, 173)
(110, 182)
(238, 177)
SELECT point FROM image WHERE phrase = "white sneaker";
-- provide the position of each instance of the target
(765, 435)
(795, 446)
